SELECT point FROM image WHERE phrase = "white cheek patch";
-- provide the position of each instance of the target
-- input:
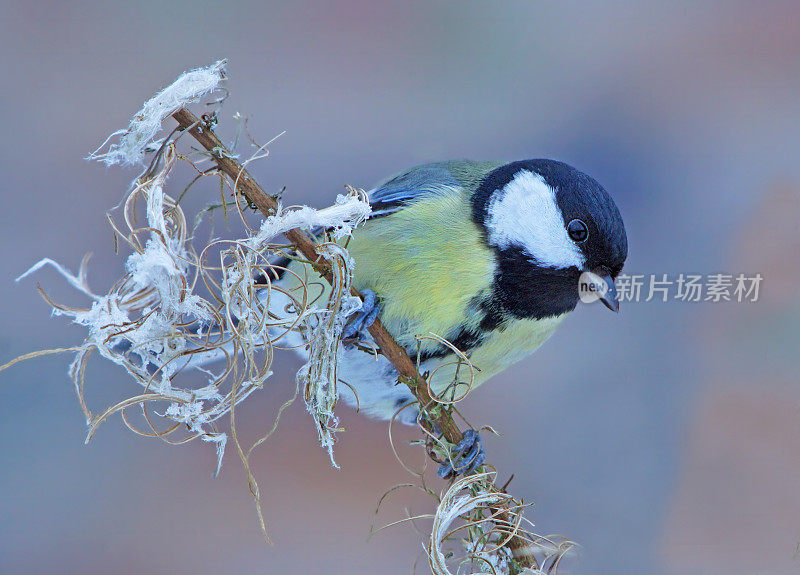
(525, 213)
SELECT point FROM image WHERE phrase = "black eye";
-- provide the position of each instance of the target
(578, 231)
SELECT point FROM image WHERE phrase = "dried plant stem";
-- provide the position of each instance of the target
(305, 244)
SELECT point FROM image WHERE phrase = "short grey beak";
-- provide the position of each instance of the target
(609, 292)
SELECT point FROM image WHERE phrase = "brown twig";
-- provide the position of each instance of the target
(305, 244)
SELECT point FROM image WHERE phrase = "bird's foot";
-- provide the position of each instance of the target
(465, 457)
(364, 317)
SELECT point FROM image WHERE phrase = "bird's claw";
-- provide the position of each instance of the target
(465, 457)
(364, 317)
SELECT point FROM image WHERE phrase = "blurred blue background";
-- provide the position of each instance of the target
(665, 440)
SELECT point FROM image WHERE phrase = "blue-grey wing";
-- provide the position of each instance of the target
(406, 187)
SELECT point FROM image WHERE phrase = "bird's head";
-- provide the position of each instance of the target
(549, 224)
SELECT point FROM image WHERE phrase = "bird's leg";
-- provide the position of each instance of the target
(465, 457)
(364, 317)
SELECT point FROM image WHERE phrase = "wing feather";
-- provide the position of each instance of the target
(407, 187)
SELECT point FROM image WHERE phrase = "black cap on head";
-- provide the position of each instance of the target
(546, 236)
(581, 197)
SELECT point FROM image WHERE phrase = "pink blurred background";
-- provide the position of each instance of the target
(665, 440)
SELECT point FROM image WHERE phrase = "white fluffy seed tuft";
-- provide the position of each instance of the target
(139, 136)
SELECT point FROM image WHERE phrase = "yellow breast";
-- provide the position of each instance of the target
(499, 351)
(427, 262)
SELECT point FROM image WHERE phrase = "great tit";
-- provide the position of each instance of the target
(487, 255)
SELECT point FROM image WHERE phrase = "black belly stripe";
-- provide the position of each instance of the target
(465, 340)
